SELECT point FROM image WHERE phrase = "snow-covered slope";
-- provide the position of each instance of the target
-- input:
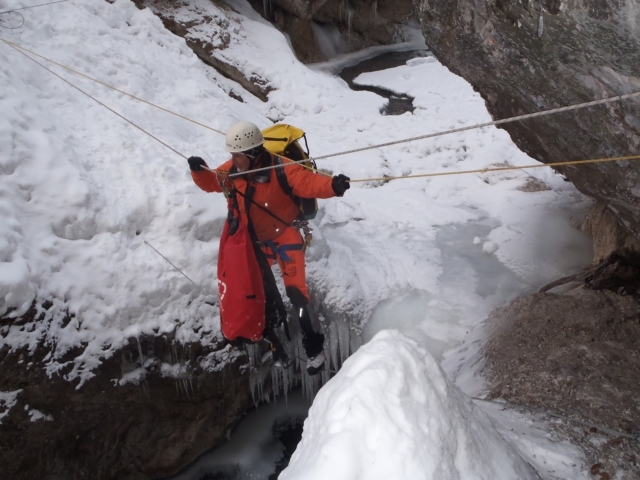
(80, 189)
(391, 413)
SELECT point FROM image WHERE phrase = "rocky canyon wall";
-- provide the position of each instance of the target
(525, 56)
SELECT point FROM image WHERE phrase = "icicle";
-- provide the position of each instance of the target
(540, 25)
(186, 390)
(141, 356)
(344, 340)
(333, 346)
(375, 9)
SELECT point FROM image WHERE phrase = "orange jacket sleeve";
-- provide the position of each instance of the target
(207, 180)
(306, 184)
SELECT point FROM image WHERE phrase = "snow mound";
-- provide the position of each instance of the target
(390, 413)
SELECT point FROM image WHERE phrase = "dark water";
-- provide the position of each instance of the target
(397, 104)
(259, 447)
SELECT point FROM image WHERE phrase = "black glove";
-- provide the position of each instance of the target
(340, 184)
(196, 164)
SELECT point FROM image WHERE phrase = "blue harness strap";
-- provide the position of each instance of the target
(281, 250)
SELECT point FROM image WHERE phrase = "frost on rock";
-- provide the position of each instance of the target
(8, 400)
(392, 414)
(36, 415)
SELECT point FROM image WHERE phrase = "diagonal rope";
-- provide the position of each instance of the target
(170, 263)
(370, 147)
(578, 106)
(502, 169)
(301, 162)
(617, 98)
(96, 100)
(15, 45)
(33, 6)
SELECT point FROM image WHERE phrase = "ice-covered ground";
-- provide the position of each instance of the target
(80, 189)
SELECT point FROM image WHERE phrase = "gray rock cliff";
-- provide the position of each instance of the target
(525, 56)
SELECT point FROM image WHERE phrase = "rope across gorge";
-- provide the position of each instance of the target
(27, 53)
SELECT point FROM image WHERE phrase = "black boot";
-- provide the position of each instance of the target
(312, 341)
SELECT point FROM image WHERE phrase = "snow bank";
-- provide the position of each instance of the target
(8, 400)
(390, 413)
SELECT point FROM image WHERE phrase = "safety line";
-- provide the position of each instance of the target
(301, 162)
(635, 437)
(97, 101)
(33, 6)
(488, 124)
(170, 263)
(471, 127)
(15, 45)
(501, 169)
(371, 147)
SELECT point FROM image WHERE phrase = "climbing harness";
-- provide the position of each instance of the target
(306, 231)
(281, 250)
(634, 436)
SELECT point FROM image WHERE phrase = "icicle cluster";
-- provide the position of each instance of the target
(268, 382)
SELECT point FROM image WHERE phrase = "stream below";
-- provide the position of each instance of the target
(397, 103)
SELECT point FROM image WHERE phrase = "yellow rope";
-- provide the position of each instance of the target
(15, 45)
(501, 169)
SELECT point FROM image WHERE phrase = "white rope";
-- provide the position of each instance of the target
(170, 263)
(457, 130)
(95, 100)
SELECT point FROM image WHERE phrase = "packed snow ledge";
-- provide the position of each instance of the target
(390, 413)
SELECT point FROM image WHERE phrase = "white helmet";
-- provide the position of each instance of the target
(243, 136)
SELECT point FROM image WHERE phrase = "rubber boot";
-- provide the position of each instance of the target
(312, 341)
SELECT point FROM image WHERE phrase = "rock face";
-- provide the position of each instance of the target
(576, 352)
(609, 236)
(104, 430)
(525, 56)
